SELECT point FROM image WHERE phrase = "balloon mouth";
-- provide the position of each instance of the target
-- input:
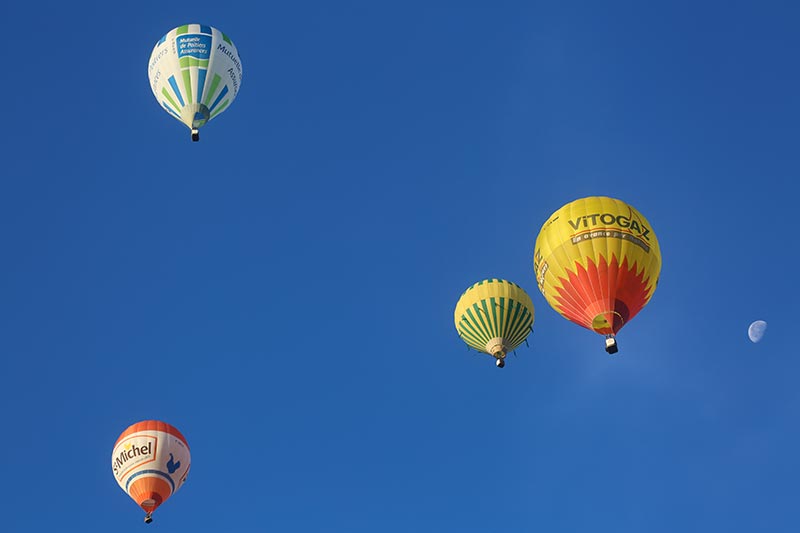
(608, 323)
(149, 500)
(152, 503)
(195, 115)
(200, 118)
(496, 347)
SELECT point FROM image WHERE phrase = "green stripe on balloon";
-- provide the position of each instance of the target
(212, 90)
(168, 96)
(219, 109)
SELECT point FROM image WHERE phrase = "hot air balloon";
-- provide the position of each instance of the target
(494, 316)
(195, 73)
(597, 263)
(150, 462)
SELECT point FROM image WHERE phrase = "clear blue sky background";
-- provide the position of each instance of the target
(283, 291)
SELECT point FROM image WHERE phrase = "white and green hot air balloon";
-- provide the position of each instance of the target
(195, 73)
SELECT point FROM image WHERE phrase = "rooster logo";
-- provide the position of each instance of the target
(172, 466)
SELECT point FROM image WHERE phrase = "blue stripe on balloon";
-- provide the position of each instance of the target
(205, 29)
(168, 108)
(221, 94)
(156, 472)
(201, 83)
(177, 91)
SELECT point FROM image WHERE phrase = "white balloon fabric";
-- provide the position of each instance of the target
(756, 330)
(195, 73)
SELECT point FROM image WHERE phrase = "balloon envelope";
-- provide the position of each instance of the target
(494, 316)
(756, 330)
(195, 73)
(597, 263)
(150, 462)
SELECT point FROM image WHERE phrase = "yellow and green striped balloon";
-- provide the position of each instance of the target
(494, 316)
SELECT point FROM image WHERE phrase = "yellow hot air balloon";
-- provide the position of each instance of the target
(494, 316)
(597, 263)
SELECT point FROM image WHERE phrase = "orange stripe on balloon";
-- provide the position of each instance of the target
(152, 425)
(149, 488)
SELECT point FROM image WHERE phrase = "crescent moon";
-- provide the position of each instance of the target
(756, 330)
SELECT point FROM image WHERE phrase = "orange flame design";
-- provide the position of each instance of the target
(603, 297)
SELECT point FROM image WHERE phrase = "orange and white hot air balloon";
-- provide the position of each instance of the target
(150, 462)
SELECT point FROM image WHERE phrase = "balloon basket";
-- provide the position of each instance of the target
(611, 345)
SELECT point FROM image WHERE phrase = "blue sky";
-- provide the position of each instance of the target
(283, 291)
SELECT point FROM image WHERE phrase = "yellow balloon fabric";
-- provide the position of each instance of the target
(494, 316)
(597, 263)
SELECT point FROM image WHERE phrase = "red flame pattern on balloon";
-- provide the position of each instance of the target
(614, 291)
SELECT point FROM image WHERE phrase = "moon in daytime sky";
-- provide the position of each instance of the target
(756, 330)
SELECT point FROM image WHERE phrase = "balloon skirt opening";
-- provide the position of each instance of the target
(149, 492)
